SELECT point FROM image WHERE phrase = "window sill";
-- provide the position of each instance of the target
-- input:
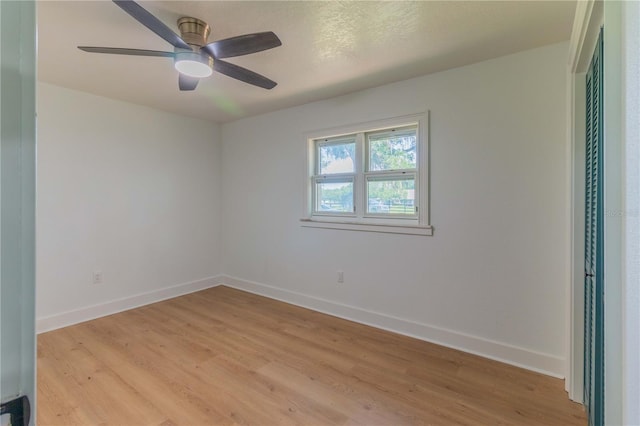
(368, 227)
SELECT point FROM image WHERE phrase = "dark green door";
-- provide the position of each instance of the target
(594, 254)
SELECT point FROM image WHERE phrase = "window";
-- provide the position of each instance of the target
(334, 177)
(370, 177)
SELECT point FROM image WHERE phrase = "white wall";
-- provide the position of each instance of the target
(126, 190)
(492, 279)
(613, 196)
(631, 108)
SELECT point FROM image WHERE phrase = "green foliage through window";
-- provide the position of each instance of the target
(394, 150)
(337, 157)
(335, 197)
(394, 196)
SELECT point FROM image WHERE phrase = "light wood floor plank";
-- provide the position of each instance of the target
(226, 357)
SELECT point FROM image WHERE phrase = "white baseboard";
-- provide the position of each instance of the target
(539, 362)
(521, 357)
(96, 311)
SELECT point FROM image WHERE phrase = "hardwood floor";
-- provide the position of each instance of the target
(222, 357)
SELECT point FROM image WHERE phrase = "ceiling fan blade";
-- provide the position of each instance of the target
(154, 24)
(242, 45)
(120, 51)
(243, 74)
(187, 83)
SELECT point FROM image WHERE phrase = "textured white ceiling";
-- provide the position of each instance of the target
(328, 47)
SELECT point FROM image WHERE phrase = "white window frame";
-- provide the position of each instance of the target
(373, 175)
(360, 220)
(317, 177)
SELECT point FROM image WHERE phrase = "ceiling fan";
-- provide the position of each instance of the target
(193, 57)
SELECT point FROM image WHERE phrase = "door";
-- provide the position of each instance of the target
(17, 210)
(594, 233)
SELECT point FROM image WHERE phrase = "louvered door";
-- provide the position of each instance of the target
(594, 232)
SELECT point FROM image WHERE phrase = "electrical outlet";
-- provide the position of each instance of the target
(340, 276)
(97, 277)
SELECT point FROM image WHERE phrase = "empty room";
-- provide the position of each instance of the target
(319, 213)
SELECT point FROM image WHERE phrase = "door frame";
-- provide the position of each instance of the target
(588, 19)
(621, 203)
(17, 200)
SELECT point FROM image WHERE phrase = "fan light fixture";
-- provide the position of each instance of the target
(194, 64)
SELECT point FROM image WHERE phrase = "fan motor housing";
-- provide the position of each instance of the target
(194, 31)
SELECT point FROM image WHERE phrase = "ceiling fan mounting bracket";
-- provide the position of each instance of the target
(194, 31)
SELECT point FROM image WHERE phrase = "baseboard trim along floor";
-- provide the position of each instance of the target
(499, 351)
(520, 357)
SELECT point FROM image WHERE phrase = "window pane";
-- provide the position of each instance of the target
(391, 196)
(334, 197)
(337, 157)
(394, 150)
